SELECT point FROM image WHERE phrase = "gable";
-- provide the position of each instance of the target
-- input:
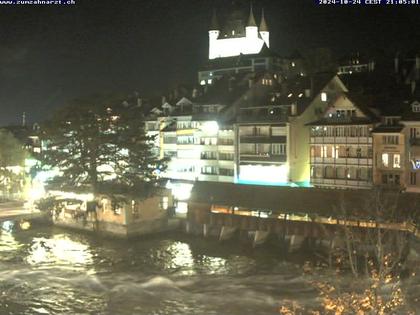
(183, 101)
(343, 107)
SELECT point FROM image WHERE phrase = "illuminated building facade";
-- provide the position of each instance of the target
(389, 149)
(238, 35)
(199, 146)
(240, 46)
(355, 64)
(341, 144)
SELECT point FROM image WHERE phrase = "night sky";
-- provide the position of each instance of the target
(50, 55)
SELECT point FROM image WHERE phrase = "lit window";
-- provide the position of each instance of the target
(164, 204)
(203, 82)
(323, 96)
(209, 81)
(324, 151)
(293, 64)
(385, 157)
(396, 163)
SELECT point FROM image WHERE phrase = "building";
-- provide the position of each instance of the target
(411, 134)
(140, 217)
(341, 144)
(355, 63)
(237, 35)
(238, 45)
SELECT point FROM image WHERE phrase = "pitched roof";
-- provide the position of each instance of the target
(214, 24)
(251, 18)
(263, 24)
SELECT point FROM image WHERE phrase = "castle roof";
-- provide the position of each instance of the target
(263, 24)
(251, 18)
(214, 24)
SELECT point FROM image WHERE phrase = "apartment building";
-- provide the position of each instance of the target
(341, 145)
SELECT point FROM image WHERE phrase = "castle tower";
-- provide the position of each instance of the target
(264, 32)
(251, 28)
(214, 32)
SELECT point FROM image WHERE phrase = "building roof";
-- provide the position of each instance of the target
(388, 128)
(263, 24)
(326, 202)
(214, 24)
(251, 18)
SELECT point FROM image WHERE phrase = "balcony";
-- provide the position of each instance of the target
(361, 161)
(254, 157)
(262, 139)
(341, 140)
(208, 158)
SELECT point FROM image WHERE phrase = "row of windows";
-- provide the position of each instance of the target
(340, 113)
(187, 125)
(390, 179)
(338, 151)
(391, 160)
(337, 131)
(263, 148)
(390, 139)
(267, 82)
(206, 170)
(195, 140)
(341, 172)
(213, 170)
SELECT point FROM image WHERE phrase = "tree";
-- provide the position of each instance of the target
(12, 162)
(100, 146)
(375, 254)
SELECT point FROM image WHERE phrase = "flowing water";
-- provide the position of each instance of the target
(46, 270)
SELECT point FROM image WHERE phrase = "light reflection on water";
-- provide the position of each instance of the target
(45, 270)
(58, 250)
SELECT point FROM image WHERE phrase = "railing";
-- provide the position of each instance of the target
(341, 140)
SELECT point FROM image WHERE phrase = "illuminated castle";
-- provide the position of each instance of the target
(236, 37)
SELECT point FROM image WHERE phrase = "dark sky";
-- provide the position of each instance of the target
(50, 55)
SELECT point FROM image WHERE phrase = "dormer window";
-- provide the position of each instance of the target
(267, 82)
(415, 107)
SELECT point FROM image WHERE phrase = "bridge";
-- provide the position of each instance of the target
(16, 210)
(297, 213)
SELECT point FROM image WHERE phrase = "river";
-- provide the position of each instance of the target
(47, 270)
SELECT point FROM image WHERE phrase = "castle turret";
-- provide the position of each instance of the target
(264, 32)
(251, 28)
(214, 32)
